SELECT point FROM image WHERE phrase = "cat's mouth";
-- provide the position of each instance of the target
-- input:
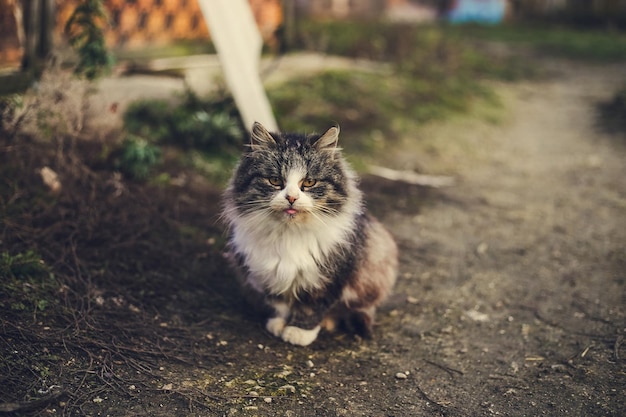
(293, 213)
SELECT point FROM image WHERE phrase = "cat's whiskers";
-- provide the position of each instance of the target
(325, 209)
(257, 215)
(229, 212)
(318, 217)
(247, 206)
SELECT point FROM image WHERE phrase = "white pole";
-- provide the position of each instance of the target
(238, 43)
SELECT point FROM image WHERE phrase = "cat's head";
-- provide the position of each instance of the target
(292, 178)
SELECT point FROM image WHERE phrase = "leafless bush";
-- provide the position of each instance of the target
(54, 109)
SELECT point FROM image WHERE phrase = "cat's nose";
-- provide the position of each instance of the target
(291, 199)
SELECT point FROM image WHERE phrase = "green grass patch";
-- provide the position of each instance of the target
(209, 131)
(370, 107)
(398, 42)
(137, 157)
(28, 285)
(566, 42)
(432, 73)
(206, 124)
(175, 49)
(429, 49)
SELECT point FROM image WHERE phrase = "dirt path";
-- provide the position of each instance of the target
(511, 299)
(518, 273)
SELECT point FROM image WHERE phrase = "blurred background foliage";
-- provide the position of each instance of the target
(431, 72)
(207, 133)
(85, 34)
(405, 77)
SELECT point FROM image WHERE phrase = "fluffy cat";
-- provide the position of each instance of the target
(301, 238)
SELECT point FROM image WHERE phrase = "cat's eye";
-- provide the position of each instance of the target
(275, 181)
(308, 182)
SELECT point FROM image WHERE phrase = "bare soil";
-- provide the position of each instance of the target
(511, 299)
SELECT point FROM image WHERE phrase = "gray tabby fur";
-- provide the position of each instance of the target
(301, 238)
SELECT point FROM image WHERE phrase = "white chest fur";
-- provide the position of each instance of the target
(284, 257)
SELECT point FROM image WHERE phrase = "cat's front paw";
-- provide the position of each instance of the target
(298, 336)
(275, 325)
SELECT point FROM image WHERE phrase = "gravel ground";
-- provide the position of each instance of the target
(511, 299)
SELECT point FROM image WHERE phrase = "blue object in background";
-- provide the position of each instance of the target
(479, 11)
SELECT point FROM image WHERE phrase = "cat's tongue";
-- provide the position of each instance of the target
(291, 211)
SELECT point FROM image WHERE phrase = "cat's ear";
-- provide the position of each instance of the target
(328, 141)
(260, 137)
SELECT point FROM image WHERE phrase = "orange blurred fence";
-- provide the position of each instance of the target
(135, 23)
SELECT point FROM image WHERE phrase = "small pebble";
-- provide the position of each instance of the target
(253, 394)
(401, 375)
(267, 399)
(288, 388)
(310, 364)
(482, 248)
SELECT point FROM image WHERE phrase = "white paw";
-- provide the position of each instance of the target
(275, 325)
(298, 336)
